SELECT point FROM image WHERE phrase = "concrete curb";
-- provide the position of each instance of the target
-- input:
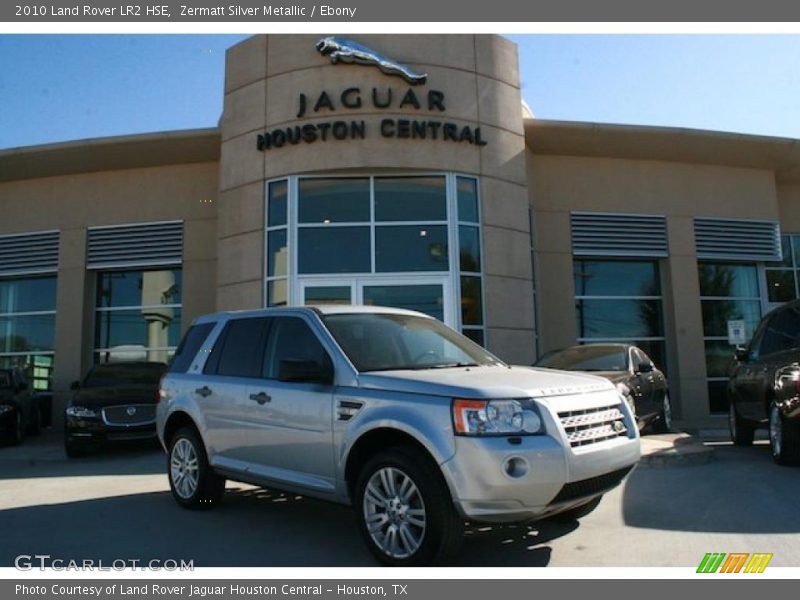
(674, 450)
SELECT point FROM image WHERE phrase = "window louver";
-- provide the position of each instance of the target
(27, 253)
(734, 239)
(141, 245)
(602, 234)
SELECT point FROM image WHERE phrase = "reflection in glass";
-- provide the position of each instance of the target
(476, 335)
(327, 294)
(718, 397)
(717, 313)
(333, 200)
(727, 280)
(321, 250)
(25, 333)
(780, 285)
(410, 199)
(471, 301)
(27, 295)
(428, 299)
(138, 288)
(467, 189)
(411, 248)
(277, 293)
(38, 368)
(619, 318)
(616, 278)
(277, 203)
(719, 358)
(796, 247)
(141, 334)
(277, 253)
(469, 248)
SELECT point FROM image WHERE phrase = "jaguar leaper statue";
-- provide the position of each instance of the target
(349, 51)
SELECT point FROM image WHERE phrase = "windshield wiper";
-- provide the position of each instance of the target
(421, 367)
(449, 365)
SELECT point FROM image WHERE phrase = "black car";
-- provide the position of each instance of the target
(19, 408)
(764, 387)
(115, 401)
(630, 369)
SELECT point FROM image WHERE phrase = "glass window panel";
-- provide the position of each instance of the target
(277, 253)
(719, 358)
(471, 301)
(619, 318)
(328, 294)
(242, 348)
(718, 397)
(291, 338)
(333, 200)
(786, 249)
(476, 335)
(277, 203)
(138, 288)
(737, 281)
(27, 295)
(616, 278)
(321, 250)
(190, 344)
(400, 248)
(467, 190)
(31, 332)
(469, 242)
(277, 294)
(796, 246)
(38, 369)
(781, 333)
(780, 285)
(133, 331)
(717, 313)
(410, 199)
(428, 299)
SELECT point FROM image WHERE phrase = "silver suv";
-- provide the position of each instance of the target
(391, 411)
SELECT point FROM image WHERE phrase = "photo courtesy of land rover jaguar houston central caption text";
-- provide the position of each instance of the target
(390, 411)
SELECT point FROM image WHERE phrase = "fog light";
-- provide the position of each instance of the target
(516, 467)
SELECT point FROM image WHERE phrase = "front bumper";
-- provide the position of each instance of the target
(95, 431)
(511, 479)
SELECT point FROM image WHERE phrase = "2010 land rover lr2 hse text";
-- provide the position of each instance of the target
(391, 411)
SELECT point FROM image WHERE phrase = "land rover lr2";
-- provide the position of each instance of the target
(390, 411)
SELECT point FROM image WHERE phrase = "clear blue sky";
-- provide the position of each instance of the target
(59, 87)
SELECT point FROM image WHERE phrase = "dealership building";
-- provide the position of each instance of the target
(399, 170)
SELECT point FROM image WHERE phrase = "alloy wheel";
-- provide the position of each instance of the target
(775, 431)
(184, 468)
(394, 513)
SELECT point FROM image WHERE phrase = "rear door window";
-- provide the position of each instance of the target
(189, 346)
(240, 348)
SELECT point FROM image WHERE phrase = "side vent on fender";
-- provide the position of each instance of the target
(347, 409)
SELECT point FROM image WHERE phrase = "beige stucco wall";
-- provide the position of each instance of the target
(479, 77)
(71, 203)
(789, 207)
(680, 191)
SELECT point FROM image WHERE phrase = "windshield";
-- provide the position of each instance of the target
(124, 374)
(588, 358)
(387, 342)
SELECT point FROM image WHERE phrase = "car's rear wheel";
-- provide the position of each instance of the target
(742, 434)
(784, 438)
(193, 482)
(406, 514)
(663, 423)
(578, 512)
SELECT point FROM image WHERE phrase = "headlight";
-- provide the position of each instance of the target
(496, 417)
(5, 408)
(81, 412)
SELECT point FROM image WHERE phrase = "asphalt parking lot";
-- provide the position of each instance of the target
(117, 505)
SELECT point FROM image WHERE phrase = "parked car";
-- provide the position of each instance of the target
(115, 401)
(627, 367)
(392, 412)
(19, 409)
(764, 387)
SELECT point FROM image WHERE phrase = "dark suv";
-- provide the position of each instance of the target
(764, 387)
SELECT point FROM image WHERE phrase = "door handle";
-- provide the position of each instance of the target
(261, 398)
(204, 391)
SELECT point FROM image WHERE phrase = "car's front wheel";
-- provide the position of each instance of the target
(784, 438)
(742, 434)
(663, 423)
(193, 482)
(406, 514)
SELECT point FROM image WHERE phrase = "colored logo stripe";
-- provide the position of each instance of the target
(758, 563)
(734, 563)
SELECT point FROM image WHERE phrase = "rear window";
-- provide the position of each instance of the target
(189, 346)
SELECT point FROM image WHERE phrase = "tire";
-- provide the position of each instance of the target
(742, 434)
(193, 482)
(578, 512)
(75, 449)
(663, 422)
(401, 493)
(784, 438)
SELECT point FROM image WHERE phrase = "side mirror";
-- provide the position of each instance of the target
(645, 367)
(307, 371)
(75, 386)
(741, 354)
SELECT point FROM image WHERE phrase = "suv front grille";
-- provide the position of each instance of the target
(592, 425)
(591, 486)
(130, 414)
